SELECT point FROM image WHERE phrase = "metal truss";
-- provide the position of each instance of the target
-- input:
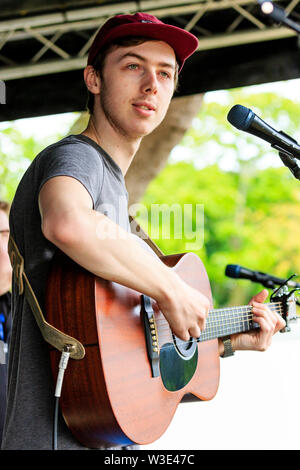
(57, 42)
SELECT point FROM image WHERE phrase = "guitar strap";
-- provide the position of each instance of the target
(137, 229)
(52, 335)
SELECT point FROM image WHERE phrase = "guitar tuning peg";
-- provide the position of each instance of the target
(283, 289)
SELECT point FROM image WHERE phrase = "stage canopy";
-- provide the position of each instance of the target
(44, 45)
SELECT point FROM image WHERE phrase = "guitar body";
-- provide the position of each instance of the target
(110, 397)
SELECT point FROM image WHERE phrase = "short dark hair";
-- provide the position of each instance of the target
(121, 42)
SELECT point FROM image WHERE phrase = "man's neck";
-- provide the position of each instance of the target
(119, 147)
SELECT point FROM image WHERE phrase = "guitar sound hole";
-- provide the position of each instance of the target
(185, 348)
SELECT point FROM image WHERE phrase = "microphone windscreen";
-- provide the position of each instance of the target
(240, 117)
(232, 270)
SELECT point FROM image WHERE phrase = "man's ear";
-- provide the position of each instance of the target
(92, 79)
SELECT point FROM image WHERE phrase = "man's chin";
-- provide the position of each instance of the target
(143, 131)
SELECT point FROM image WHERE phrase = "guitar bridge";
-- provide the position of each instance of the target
(150, 335)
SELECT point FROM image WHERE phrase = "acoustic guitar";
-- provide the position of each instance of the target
(135, 371)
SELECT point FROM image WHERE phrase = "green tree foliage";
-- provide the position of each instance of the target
(16, 153)
(19, 145)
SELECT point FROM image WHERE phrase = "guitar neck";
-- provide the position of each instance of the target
(227, 321)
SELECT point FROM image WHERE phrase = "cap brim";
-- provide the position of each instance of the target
(183, 42)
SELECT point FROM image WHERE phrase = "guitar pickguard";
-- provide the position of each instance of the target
(176, 370)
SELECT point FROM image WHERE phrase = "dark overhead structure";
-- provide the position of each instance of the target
(44, 46)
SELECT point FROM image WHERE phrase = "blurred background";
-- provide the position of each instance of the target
(249, 199)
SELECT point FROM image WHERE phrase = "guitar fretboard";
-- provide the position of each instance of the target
(227, 321)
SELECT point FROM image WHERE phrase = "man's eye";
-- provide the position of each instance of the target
(165, 74)
(132, 66)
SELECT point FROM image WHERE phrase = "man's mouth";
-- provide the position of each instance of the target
(146, 106)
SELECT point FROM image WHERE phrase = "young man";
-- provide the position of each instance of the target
(5, 307)
(73, 197)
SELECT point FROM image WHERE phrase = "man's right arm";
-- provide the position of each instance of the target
(102, 247)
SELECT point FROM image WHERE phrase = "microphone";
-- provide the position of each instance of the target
(239, 272)
(246, 120)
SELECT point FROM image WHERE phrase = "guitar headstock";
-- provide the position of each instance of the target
(288, 303)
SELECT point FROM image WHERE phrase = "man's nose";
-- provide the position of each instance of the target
(149, 84)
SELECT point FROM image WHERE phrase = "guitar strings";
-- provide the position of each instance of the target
(229, 321)
(212, 324)
(179, 342)
(207, 334)
(212, 327)
(212, 330)
(229, 318)
(224, 314)
(219, 320)
(245, 308)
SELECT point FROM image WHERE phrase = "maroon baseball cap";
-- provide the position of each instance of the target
(142, 24)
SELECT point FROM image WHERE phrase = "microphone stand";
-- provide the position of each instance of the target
(278, 15)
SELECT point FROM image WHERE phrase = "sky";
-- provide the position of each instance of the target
(288, 88)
